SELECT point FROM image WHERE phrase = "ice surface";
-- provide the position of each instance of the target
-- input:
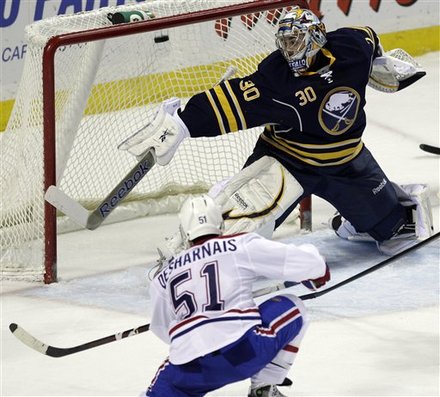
(377, 336)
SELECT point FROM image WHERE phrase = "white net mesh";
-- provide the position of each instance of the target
(106, 90)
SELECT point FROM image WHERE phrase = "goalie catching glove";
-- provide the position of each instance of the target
(318, 282)
(163, 135)
(394, 71)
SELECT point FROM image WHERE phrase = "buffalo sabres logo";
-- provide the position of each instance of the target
(339, 110)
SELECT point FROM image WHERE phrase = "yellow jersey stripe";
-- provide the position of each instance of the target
(319, 146)
(226, 107)
(351, 154)
(237, 106)
(321, 156)
(217, 112)
(368, 31)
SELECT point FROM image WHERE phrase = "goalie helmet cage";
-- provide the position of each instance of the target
(88, 84)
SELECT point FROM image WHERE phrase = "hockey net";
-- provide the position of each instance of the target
(108, 80)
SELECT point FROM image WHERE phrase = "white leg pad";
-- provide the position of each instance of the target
(255, 197)
(418, 194)
(409, 195)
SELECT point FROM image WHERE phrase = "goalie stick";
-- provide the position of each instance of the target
(430, 148)
(93, 219)
(53, 351)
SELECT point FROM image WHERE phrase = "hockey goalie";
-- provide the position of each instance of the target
(309, 95)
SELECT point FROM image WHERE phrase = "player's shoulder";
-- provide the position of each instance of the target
(244, 237)
(353, 35)
(357, 41)
(352, 32)
(241, 236)
(273, 64)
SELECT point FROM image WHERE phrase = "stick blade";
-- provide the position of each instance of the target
(67, 205)
(26, 338)
(430, 148)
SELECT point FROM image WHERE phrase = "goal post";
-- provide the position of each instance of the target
(88, 84)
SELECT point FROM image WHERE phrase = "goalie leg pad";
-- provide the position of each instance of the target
(256, 197)
(417, 195)
(419, 225)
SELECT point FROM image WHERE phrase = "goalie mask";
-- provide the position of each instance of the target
(299, 38)
(200, 216)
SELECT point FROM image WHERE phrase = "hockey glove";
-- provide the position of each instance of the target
(317, 282)
(394, 71)
(164, 134)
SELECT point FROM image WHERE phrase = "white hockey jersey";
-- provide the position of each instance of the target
(202, 300)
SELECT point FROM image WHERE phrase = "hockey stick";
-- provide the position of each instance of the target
(371, 269)
(430, 148)
(93, 219)
(52, 351)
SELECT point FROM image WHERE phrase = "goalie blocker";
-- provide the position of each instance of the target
(163, 135)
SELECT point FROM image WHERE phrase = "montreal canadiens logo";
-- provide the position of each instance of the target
(339, 110)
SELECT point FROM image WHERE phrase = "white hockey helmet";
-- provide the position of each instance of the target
(200, 216)
(300, 36)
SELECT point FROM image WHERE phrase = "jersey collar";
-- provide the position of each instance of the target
(329, 62)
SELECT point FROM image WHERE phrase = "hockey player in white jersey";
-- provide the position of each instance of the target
(202, 306)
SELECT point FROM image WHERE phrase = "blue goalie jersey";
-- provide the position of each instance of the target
(317, 118)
